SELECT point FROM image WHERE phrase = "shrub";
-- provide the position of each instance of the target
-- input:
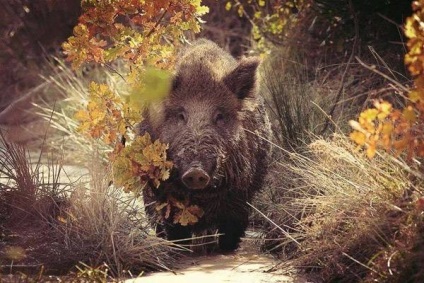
(339, 213)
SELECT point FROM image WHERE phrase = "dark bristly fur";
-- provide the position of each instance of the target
(213, 120)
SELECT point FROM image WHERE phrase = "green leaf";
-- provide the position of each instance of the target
(155, 85)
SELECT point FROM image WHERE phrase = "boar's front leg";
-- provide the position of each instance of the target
(232, 229)
(177, 232)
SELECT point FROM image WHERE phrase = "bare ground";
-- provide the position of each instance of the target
(245, 265)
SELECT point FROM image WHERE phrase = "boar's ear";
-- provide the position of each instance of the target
(242, 79)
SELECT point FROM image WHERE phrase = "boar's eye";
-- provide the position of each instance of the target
(219, 118)
(182, 117)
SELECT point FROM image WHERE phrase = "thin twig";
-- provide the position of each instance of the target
(389, 261)
(390, 20)
(374, 69)
(114, 71)
(287, 234)
(158, 22)
(19, 104)
(352, 55)
(360, 263)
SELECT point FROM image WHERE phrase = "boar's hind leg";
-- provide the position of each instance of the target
(232, 230)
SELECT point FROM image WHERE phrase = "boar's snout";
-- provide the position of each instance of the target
(196, 178)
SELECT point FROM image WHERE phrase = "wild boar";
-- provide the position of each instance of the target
(215, 123)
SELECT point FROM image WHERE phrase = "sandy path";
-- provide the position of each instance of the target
(244, 266)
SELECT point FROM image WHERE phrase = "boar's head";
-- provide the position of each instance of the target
(202, 118)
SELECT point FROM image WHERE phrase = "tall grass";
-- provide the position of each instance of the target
(327, 209)
(348, 203)
(297, 107)
(57, 223)
(299, 98)
(69, 93)
(24, 180)
(293, 102)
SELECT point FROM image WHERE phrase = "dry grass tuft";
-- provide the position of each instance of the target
(105, 225)
(327, 209)
(57, 224)
(28, 188)
(296, 108)
(341, 211)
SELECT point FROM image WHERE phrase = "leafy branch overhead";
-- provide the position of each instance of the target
(144, 35)
(137, 31)
(271, 21)
(399, 130)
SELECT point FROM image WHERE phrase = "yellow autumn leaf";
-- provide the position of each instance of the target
(416, 95)
(369, 127)
(358, 137)
(200, 9)
(185, 217)
(240, 10)
(385, 142)
(369, 115)
(410, 31)
(81, 115)
(384, 109)
(371, 152)
(97, 115)
(387, 128)
(409, 114)
(141, 158)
